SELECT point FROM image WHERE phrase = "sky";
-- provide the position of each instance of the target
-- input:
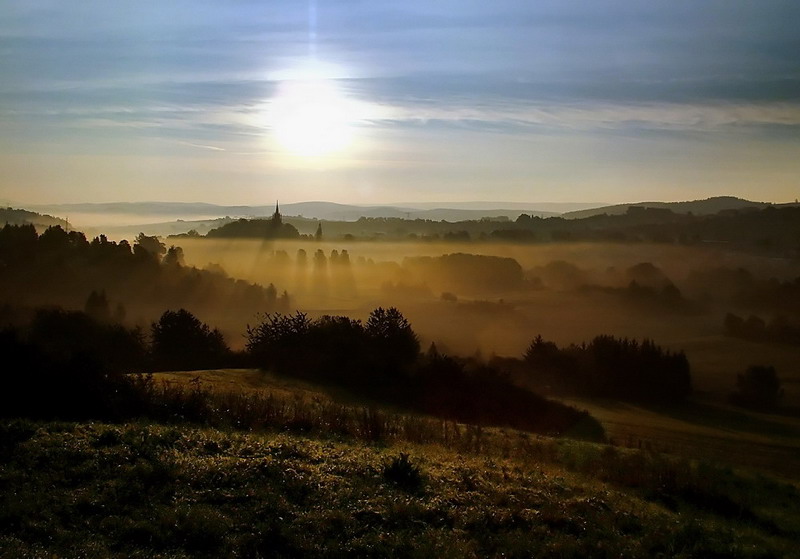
(245, 102)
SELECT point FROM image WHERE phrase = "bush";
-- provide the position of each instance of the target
(759, 388)
(58, 381)
(403, 474)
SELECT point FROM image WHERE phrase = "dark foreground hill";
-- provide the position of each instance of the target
(139, 490)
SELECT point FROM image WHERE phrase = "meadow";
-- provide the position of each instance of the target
(713, 432)
(149, 490)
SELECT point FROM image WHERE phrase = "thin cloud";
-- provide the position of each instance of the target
(201, 146)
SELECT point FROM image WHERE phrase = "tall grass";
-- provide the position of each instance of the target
(171, 401)
(670, 481)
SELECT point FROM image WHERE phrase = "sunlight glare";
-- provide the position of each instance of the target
(311, 118)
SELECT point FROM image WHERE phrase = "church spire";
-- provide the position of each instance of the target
(276, 217)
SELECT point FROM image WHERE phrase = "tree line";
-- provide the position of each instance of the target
(780, 329)
(606, 367)
(69, 365)
(60, 267)
(770, 229)
(68, 358)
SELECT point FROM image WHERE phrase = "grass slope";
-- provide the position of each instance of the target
(699, 430)
(140, 490)
(709, 431)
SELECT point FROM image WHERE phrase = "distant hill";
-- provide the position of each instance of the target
(156, 211)
(549, 207)
(159, 229)
(168, 218)
(708, 206)
(149, 208)
(19, 217)
(353, 213)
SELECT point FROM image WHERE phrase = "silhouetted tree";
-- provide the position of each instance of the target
(320, 262)
(394, 339)
(611, 367)
(54, 239)
(320, 273)
(150, 246)
(301, 270)
(97, 306)
(380, 359)
(759, 387)
(174, 257)
(59, 269)
(67, 366)
(541, 353)
(64, 335)
(181, 342)
(277, 339)
(272, 296)
(284, 302)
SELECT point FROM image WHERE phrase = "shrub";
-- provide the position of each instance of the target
(403, 474)
(759, 387)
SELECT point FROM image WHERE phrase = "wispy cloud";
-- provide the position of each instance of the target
(592, 116)
(201, 146)
(195, 76)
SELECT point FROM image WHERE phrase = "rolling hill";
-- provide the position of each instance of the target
(707, 206)
(316, 210)
(13, 216)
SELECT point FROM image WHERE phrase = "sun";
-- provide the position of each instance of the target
(311, 118)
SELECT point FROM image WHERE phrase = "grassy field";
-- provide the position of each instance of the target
(140, 490)
(255, 380)
(706, 430)
(329, 475)
(716, 360)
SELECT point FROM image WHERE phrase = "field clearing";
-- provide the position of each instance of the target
(244, 380)
(706, 431)
(698, 430)
(716, 360)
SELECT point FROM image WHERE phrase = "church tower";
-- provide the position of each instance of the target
(277, 220)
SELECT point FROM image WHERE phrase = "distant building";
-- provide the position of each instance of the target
(277, 220)
(272, 228)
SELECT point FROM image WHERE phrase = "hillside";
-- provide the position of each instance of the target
(315, 210)
(13, 216)
(239, 463)
(139, 490)
(698, 429)
(707, 206)
(63, 268)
